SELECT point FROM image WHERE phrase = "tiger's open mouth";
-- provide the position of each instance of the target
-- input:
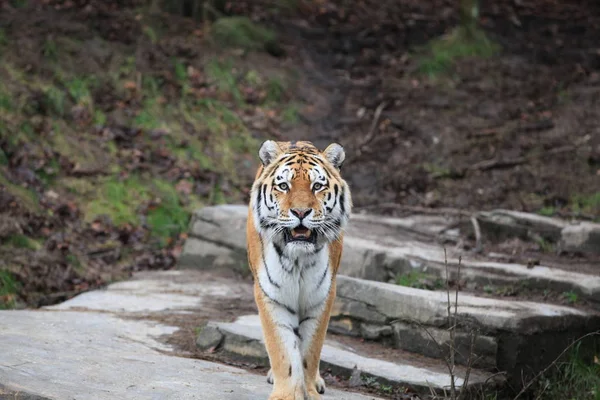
(300, 234)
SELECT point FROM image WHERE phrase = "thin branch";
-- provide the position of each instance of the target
(371, 134)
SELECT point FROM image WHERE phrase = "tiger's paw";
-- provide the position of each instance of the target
(320, 384)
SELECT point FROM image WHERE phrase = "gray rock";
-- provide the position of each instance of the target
(583, 237)
(374, 332)
(208, 338)
(246, 334)
(157, 292)
(377, 247)
(435, 342)
(98, 356)
(517, 337)
(501, 224)
(376, 302)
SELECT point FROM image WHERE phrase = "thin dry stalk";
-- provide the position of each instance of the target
(553, 363)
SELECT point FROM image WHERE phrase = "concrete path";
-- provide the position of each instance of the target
(90, 347)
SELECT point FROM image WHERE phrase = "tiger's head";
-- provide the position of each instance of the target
(299, 199)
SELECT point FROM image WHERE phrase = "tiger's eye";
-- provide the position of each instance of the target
(317, 186)
(283, 186)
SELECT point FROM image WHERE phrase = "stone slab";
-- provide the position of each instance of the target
(517, 337)
(377, 248)
(507, 224)
(244, 338)
(379, 259)
(158, 291)
(582, 237)
(380, 302)
(97, 356)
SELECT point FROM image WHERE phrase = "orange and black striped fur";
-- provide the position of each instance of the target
(298, 210)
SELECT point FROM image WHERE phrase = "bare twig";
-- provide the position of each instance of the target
(553, 363)
(371, 134)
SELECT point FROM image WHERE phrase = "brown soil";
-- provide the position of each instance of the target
(519, 130)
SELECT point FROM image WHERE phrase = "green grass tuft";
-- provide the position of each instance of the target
(416, 279)
(241, 32)
(574, 379)
(8, 289)
(118, 200)
(55, 100)
(441, 53)
(23, 242)
(586, 204)
(221, 74)
(50, 50)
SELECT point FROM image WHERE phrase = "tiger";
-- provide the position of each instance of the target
(298, 210)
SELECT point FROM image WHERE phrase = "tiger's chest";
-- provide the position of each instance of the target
(300, 282)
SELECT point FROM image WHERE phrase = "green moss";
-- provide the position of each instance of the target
(291, 114)
(9, 287)
(74, 261)
(148, 117)
(118, 200)
(26, 197)
(50, 50)
(416, 279)
(571, 297)
(221, 74)
(3, 158)
(586, 204)
(275, 90)
(6, 101)
(170, 218)
(547, 211)
(442, 53)
(55, 100)
(241, 32)
(79, 90)
(23, 242)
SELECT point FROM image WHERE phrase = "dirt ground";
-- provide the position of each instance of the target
(518, 130)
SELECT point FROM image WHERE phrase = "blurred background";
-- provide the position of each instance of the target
(119, 118)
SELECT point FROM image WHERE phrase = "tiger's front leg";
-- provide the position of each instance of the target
(283, 347)
(313, 330)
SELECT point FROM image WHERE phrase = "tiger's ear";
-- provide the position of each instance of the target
(268, 152)
(334, 153)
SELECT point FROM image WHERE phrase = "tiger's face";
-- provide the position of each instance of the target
(299, 199)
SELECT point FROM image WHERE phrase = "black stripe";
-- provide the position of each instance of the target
(289, 309)
(342, 198)
(258, 201)
(290, 371)
(262, 246)
(323, 277)
(303, 320)
(297, 332)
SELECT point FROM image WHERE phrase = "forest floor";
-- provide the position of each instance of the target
(116, 121)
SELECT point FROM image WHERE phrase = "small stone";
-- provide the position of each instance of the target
(583, 237)
(355, 379)
(209, 338)
(374, 332)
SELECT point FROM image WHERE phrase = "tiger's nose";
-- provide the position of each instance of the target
(301, 212)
